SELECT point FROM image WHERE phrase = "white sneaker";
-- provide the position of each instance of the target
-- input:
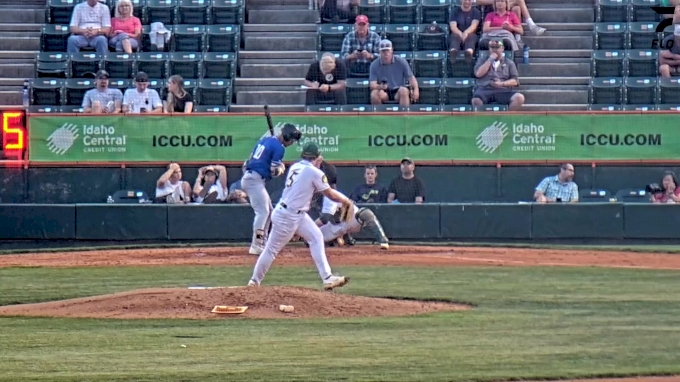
(253, 283)
(255, 250)
(538, 30)
(335, 282)
(384, 246)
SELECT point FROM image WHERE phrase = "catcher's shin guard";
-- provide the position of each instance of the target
(370, 222)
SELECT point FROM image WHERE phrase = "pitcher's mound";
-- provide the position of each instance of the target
(262, 302)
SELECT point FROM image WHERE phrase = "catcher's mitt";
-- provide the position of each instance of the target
(347, 213)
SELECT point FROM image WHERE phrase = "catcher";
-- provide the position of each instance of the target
(336, 221)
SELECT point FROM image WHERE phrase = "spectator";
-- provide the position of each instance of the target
(388, 78)
(126, 29)
(102, 99)
(90, 24)
(558, 188)
(237, 185)
(179, 100)
(337, 11)
(520, 9)
(406, 188)
(502, 24)
(496, 77)
(211, 185)
(141, 99)
(371, 191)
(669, 59)
(463, 22)
(326, 80)
(237, 197)
(671, 191)
(360, 47)
(171, 189)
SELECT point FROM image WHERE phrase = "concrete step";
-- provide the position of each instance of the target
(14, 61)
(250, 3)
(240, 81)
(562, 53)
(271, 97)
(276, 54)
(278, 7)
(20, 43)
(554, 27)
(567, 14)
(282, 16)
(554, 80)
(5, 35)
(554, 70)
(18, 55)
(10, 98)
(15, 15)
(557, 3)
(556, 96)
(558, 43)
(550, 107)
(285, 28)
(246, 61)
(20, 27)
(274, 70)
(280, 43)
(277, 34)
(556, 60)
(272, 108)
(17, 70)
(266, 88)
(12, 81)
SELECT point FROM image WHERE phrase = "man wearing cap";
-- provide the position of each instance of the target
(497, 76)
(90, 24)
(141, 99)
(669, 57)
(102, 99)
(407, 187)
(388, 78)
(360, 47)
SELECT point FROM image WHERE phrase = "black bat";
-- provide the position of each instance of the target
(269, 119)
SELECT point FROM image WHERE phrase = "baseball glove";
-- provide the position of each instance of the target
(347, 213)
(278, 170)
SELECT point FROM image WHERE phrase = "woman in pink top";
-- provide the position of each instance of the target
(126, 29)
(671, 191)
(501, 18)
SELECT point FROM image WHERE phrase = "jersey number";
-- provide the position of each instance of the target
(291, 178)
(258, 151)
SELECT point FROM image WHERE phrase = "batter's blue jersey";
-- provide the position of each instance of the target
(268, 151)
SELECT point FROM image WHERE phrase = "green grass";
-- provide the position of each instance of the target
(527, 323)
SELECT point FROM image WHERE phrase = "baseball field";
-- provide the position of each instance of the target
(414, 313)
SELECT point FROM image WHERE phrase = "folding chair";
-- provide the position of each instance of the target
(51, 65)
(429, 64)
(54, 38)
(608, 63)
(458, 91)
(85, 64)
(430, 91)
(47, 91)
(214, 92)
(193, 12)
(331, 36)
(119, 65)
(223, 38)
(402, 36)
(188, 38)
(75, 89)
(226, 12)
(358, 91)
(155, 64)
(642, 62)
(403, 11)
(435, 10)
(186, 64)
(606, 90)
(641, 35)
(163, 11)
(219, 65)
(611, 35)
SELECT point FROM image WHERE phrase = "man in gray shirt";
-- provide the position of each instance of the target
(496, 78)
(388, 76)
(102, 99)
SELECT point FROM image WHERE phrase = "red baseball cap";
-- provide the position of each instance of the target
(362, 19)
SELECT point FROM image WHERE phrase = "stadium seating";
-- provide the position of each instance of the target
(428, 41)
(46, 91)
(163, 11)
(219, 65)
(642, 62)
(641, 35)
(358, 91)
(641, 10)
(632, 195)
(214, 92)
(403, 36)
(594, 196)
(424, 108)
(611, 35)
(188, 38)
(193, 12)
(51, 65)
(54, 38)
(59, 11)
(322, 108)
(605, 90)
(388, 108)
(435, 10)
(430, 91)
(403, 11)
(611, 11)
(210, 109)
(458, 91)
(75, 89)
(375, 11)
(608, 63)
(185, 64)
(490, 108)
(429, 63)
(669, 91)
(119, 65)
(366, 108)
(331, 36)
(155, 65)
(640, 90)
(457, 108)
(85, 64)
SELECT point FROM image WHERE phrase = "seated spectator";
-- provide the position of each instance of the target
(520, 9)
(326, 80)
(669, 59)
(388, 78)
(360, 48)
(463, 22)
(371, 191)
(237, 184)
(337, 11)
(126, 29)
(558, 188)
(671, 191)
(407, 187)
(179, 100)
(141, 99)
(502, 24)
(237, 197)
(171, 189)
(211, 185)
(496, 77)
(102, 99)
(90, 24)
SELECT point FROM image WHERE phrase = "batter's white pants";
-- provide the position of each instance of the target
(333, 231)
(254, 186)
(285, 224)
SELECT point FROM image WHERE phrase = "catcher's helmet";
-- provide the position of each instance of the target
(290, 133)
(330, 171)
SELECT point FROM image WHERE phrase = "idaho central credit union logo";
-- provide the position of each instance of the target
(492, 137)
(664, 11)
(62, 139)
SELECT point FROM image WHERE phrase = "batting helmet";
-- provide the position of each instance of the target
(310, 151)
(330, 171)
(290, 133)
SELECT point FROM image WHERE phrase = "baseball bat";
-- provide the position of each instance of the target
(269, 120)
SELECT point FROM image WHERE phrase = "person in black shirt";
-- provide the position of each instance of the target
(463, 22)
(179, 100)
(370, 192)
(326, 81)
(406, 188)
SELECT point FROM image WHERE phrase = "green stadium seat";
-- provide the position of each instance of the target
(186, 64)
(424, 108)
(60, 11)
(640, 108)
(489, 108)
(461, 68)
(377, 28)
(594, 196)
(430, 91)
(611, 35)
(159, 85)
(51, 65)
(605, 107)
(70, 109)
(146, 41)
(632, 195)
(119, 64)
(612, 11)
(358, 91)
(356, 108)
(188, 38)
(214, 92)
(85, 64)
(223, 38)
(403, 36)
(408, 56)
(193, 12)
(642, 62)
(163, 11)
(457, 108)
(389, 108)
(641, 35)
(606, 90)
(210, 109)
(121, 84)
(403, 11)
(322, 109)
(46, 109)
(375, 10)
(669, 90)
(190, 85)
(435, 10)
(429, 63)
(608, 63)
(668, 107)
(46, 91)
(154, 64)
(641, 10)
(458, 91)
(219, 65)
(54, 37)
(431, 41)
(226, 12)
(75, 89)
(331, 36)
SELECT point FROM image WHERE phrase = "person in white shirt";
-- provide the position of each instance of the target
(141, 99)
(211, 185)
(290, 217)
(171, 189)
(90, 24)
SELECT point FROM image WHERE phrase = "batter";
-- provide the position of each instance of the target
(290, 218)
